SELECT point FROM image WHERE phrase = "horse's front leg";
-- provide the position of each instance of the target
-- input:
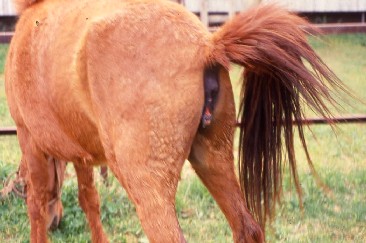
(38, 193)
(89, 201)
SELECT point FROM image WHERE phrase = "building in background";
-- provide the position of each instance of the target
(7, 15)
(215, 12)
(327, 11)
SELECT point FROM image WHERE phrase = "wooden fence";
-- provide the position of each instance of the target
(215, 12)
(310, 121)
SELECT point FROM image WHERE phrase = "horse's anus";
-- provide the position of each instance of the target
(211, 90)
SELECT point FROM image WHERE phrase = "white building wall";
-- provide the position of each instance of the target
(216, 5)
(322, 5)
(6, 8)
(295, 5)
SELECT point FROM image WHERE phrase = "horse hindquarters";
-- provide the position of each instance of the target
(148, 99)
(212, 158)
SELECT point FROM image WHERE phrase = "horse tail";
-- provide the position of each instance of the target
(21, 5)
(270, 43)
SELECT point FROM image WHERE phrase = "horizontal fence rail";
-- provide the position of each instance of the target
(4, 131)
(5, 37)
(335, 120)
(8, 131)
(342, 28)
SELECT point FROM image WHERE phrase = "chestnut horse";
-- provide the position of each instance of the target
(121, 83)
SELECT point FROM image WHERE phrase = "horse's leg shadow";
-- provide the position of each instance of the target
(89, 200)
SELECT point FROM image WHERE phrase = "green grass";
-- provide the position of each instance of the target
(5, 119)
(340, 160)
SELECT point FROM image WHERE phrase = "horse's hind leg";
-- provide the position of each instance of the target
(89, 201)
(216, 170)
(37, 194)
(153, 194)
(148, 165)
(152, 185)
(154, 197)
(212, 158)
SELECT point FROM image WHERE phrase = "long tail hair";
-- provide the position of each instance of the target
(270, 43)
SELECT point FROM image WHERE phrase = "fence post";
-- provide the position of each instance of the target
(231, 10)
(204, 12)
(180, 2)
